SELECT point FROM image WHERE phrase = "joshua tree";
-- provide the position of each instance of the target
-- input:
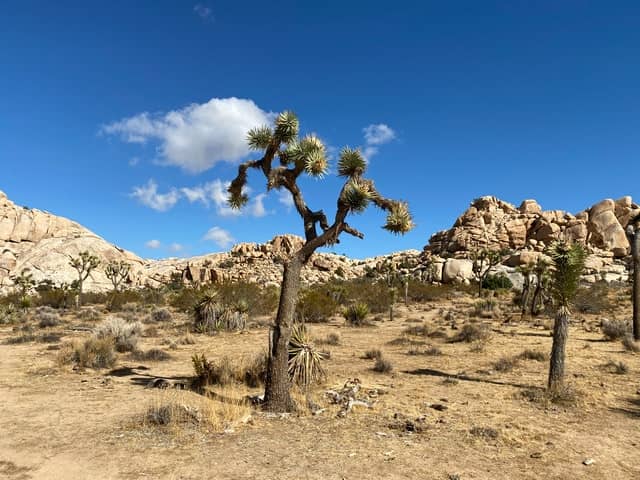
(117, 272)
(84, 264)
(296, 157)
(483, 261)
(527, 271)
(633, 232)
(541, 274)
(24, 283)
(568, 262)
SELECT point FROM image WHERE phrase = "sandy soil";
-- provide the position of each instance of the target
(58, 423)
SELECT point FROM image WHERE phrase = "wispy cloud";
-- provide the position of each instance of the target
(203, 12)
(285, 198)
(154, 244)
(196, 137)
(219, 236)
(374, 136)
(175, 247)
(148, 195)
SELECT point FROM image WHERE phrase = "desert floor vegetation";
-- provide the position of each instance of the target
(456, 395)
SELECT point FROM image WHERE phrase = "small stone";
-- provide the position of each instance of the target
(536, 455)
(588, 461)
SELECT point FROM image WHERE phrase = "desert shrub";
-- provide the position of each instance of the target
(375, 294)
(630, 344)
(95, 298)
(619, 368)
(49, 338)
(316, 305)
(430, 350)
(497, 282)
(185, 299)
(372, 354)
(88, 314)
(255, 370)
(330, 339)
(564, 394)
(46, 317)
(305, 360)
(161, 315)
(54, 296)
(151, 355)
(124, 334)
(536, 355)
(356, 314)
(251, 372)
(25, 337)
(487, 308)
(614, 329)
(593, 299)
(473, 332)
(382, 365)
(9, 314)
(210, 315)
(259, 299)
(421, 292)
(505, 364)
(404, 340)
(488, 433)
(92, 353)
(424, 330)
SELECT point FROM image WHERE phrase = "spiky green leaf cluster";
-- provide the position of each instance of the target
(287, 127)
(357, 194)
(399, 219)
(351, 163)
(237, 201)
(305, 361)
(568, 264)
(259, 138)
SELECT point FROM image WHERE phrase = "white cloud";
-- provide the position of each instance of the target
(375, 135)
(216, 192)
(378, 134)
(285, 198)
(220, 237)
(148, 195)
(198, 136)
(134, 161)
(203, 11)
(256, 207)
(175, 247)
(153, 244)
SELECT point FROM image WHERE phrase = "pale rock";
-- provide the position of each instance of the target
(457, 271)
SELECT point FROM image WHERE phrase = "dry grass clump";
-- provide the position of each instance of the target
(614, 329)
(535, 355)
(372, 354)
(487, 433)
(124, 334)
(92, 353)
(565, 395)
(151, 355)
(630, 344)
(332, 339)
(46, 317)
(487, 308)
(88, 314)
(404, 340)
(505, 364)
(24, 337)
(430, 350)
(250, 371)
(382, 365)
(160, 315)
(472, 332)
(618, 368)
(177, 410)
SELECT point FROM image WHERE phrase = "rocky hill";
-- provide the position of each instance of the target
(43, 243)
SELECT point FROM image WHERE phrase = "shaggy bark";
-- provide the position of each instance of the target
(560, 335)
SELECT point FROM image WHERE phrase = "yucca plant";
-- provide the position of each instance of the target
(305, 361)
(211, 315)
(356, 314)
(285, 157)
(568, 264)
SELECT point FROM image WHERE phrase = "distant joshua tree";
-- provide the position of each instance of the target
(633, 233)
(117, 272)
(568, 264)
(297, 156)
(24, 283)
(84, 264)
(484, 260)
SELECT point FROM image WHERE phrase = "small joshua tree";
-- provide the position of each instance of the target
(297, 156)
(484, 260)
(117, 272)
(542, 277)
(633, 232)
(568, 264)
(84, 264)
(24, 283)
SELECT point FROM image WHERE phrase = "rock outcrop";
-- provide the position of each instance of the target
(527, 230)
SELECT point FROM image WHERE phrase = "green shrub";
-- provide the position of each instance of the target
(382, 365)
(316, 304)
(593, 299)
(356, 314)
(615, 329)
(497, 282)
(472, 332)
(372, 354)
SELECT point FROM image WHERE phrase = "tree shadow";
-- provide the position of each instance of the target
(467, 378)
(632, 409)
(126, 371)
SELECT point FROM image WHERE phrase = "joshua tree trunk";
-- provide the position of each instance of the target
(276, 396)
(524, 298)
(635, 252)
(560, 334)
(535, 302)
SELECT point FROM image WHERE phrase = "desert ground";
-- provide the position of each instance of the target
(446, 410)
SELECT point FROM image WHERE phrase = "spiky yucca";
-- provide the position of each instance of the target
(356, 314)
(305, 361)
(210, 315)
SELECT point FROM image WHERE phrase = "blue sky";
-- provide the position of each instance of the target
(127, 116)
